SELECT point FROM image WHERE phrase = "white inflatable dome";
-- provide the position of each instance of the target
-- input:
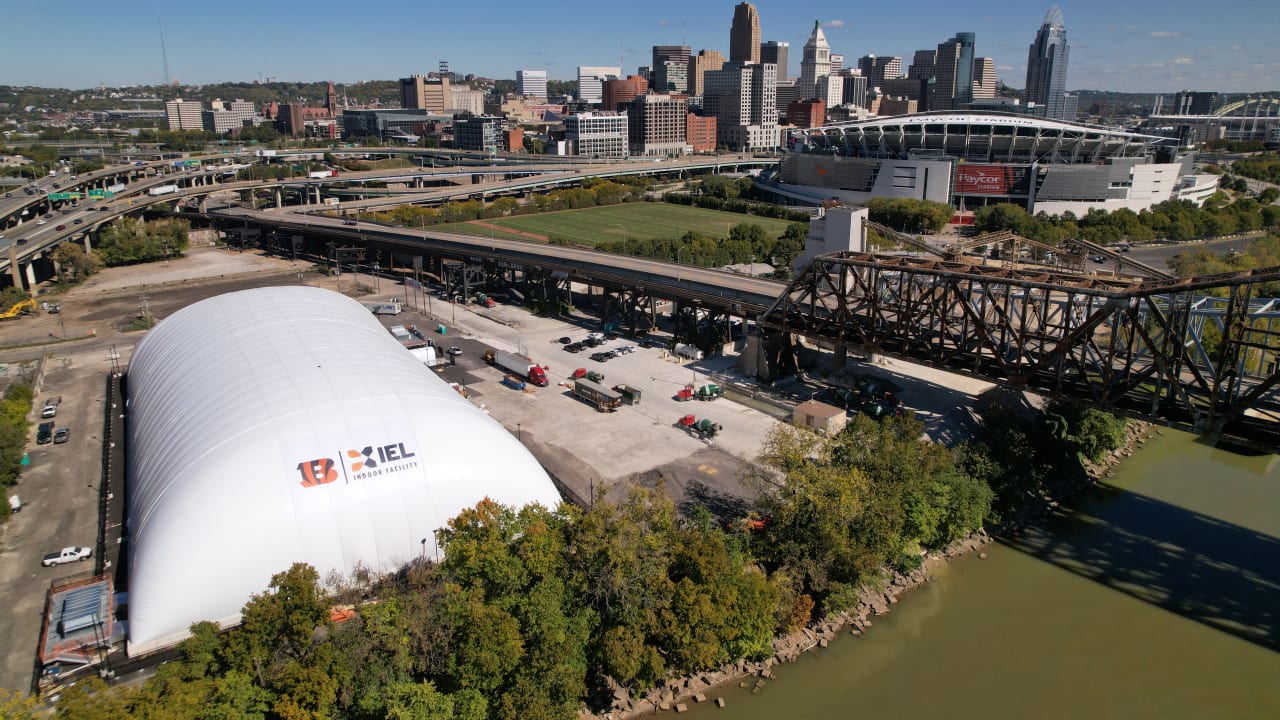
(283, 425)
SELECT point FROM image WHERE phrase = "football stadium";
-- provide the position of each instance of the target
(969, 159)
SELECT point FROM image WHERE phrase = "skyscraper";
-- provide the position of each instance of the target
(670, 69)
(815, 62)
(776, 52)
(878, 69)
(953, 69)
(1047, 67)
(922, 65)
(531, 82)
(591, 82)
(744, 34)
(699, 64)
(743, 97)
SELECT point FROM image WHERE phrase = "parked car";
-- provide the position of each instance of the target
(626, 349)
(44, 434)
(66, 555)
(455, 351)
(564, 340)
(77, 221)
(50, 410)
(61, 227)
(595, 336)
(61, 436)
(601, 356)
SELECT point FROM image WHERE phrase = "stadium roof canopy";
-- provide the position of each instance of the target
(976, 136)
(284, 425)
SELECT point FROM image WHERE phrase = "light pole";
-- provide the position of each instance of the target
(679, 249)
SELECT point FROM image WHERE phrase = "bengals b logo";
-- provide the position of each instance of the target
(317, 472)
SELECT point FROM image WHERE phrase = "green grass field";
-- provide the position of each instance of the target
(614, 223)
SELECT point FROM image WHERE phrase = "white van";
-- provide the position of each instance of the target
(14, 503)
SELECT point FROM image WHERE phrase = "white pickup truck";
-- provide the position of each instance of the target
(66, 555)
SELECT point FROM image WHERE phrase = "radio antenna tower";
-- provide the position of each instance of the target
(164, 54)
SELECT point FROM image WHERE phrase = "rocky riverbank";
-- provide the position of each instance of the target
(678, 694)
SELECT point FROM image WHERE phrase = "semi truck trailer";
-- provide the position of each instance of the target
(603, 398)
(517, 365)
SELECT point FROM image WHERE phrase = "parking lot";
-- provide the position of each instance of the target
(588, 451)
(59, 491)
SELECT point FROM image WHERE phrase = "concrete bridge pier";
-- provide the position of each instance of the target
(839, 355)
(15, 271)
(279, 199)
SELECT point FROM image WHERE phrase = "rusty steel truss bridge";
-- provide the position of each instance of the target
(1200, 354)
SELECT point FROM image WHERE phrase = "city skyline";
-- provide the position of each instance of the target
(1113, 48)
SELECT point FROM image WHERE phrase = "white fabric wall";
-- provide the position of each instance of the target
(232, 398)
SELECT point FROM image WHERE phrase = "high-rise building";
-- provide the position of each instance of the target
(532, 83)
(425, 93)
(617, 92)
(1047, 67)
(184, 115)
(878, 69)
(830, 90)
(482, 133)
(464, 99)
(658, 125)
(290, 120)
(670, 79)
(815, 62)
(597, 134)
(855, 88)
(699, 64)
(743, 98)
(744, 34)
(984, 78)
(1188, 102)
(922, 64)
(776, 52)
(227, 116)
(701, 133)
(807, 113)
(837, 64)
(953, 70)
(591, 82)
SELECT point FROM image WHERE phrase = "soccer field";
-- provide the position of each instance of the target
(614, 223)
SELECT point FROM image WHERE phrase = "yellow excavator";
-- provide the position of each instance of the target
(26, 306)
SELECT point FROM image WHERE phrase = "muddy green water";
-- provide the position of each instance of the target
(1154, 597)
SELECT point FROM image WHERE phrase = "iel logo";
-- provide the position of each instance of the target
(317, 472)
(370, 461)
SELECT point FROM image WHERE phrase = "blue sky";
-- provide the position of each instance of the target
(1125, 46)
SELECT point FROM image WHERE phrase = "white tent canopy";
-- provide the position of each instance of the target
(283, 425)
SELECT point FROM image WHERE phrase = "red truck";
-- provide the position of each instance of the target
(518, 366)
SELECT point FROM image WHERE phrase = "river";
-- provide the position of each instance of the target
(1153, 596)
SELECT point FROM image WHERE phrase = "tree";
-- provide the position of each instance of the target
(73, 263)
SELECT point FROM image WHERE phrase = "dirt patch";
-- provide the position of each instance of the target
(510, 231)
